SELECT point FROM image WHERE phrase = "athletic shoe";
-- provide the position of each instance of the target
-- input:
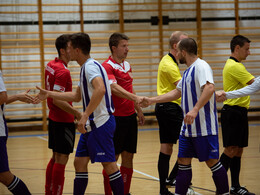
(190, 191)
(240, 191)
(170, 183)
(167, 193)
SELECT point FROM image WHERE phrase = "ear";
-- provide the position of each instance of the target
(237, 47)
(62, 51)
(174, 46)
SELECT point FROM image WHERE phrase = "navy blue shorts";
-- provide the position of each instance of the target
(203, 147)
(4, 166)
(98, 143)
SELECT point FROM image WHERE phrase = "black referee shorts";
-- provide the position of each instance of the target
(170, 117)
(234, 125)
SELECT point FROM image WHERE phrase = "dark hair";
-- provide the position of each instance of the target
(189, 45)
(62, 42)
(238, 40)
(115, 38)
(81, 41)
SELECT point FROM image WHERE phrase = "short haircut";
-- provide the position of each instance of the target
(189, 45)
(175, 38)
(115, 38)
(238, 40)
(81, 41)
(62, 42)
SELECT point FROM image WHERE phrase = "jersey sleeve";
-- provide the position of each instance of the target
(241, 74)
(245, 91)
(172, 72)
(205, 74)
(179, 85)
(110, 73)
(2, 85)
(61, 79)
(92, 72)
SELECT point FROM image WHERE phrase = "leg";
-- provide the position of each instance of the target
(235, 166)
(184, 176)
(58, 173)
(13, 183)
(48, 176)
(81, 178)
(116, 181)
(163, 165)
(219, 175)
(126, 170)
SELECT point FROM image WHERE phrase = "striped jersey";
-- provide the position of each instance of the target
(90, 70)
(3, 127)
(191, 86)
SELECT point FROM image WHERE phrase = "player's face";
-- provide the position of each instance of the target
(121, 50)
(244, 51)
(180, 56)
(71, 52)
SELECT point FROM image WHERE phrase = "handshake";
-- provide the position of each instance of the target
(220, 96)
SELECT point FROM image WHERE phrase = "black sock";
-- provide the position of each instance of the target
(174, 171)
(163, 170)
(225, 161)
(235, 171)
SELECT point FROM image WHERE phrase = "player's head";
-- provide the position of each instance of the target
(176, 37)
(62, 43)
(240, 46)
(115, 39)
(81, 41)
(238, 40)
(186, 46)
(118, 44)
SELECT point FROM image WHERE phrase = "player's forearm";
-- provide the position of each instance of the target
(122, 93)
(168, 97)
(208, 91)
(66, 107)
(65, 96)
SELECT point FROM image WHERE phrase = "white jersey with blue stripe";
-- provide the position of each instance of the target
(191, 86)
(3, 127)
(90, 70)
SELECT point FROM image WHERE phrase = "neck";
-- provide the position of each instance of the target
(82, 59)
(173, 52)
(63, 59)
(118, 60)
(235, 56)
(191, 59)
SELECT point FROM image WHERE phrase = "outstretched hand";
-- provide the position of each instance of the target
(42, 95)
(220, 96)
(25, 97)
(145, 102)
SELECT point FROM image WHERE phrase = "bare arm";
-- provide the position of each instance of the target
(98, 93)
(23, 97)
(66, 96)
(121, 92)
(3, 97)
(208, 91)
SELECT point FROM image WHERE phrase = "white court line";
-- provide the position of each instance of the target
(149, 176)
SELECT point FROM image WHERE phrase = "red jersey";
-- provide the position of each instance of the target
(57, 77)
(119, 73)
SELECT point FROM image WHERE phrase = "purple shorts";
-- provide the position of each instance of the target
(98, 143)
(203, 147)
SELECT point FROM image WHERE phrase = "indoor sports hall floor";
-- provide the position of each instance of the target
(29, 155)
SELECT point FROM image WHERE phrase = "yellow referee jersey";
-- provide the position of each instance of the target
(235, 76)
(168, 74)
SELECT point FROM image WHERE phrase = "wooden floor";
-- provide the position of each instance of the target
(29, 155)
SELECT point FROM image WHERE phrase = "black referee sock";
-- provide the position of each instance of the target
(174, 171)
(225, 161)
(235, 171)
(163, 170)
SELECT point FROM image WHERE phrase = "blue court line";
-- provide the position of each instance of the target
(148, 129)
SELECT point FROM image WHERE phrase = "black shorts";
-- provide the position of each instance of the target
(170, 117)
(61, 137)
(234, 125)
(125, 137)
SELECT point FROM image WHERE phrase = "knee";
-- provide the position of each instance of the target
(61, 158)
(232, 151)
(166, 148)
(6, 178)
(80, 164)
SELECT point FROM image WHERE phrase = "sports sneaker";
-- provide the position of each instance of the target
(190, 191)
(170, 183)
(167, 193)
(240, 191)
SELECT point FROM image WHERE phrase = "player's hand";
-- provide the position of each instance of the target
(190, 116)
(78, 116)
(141, 117)
(42, 95)
(220, 96)
(25, 97)
(145, 102)
(82, 124)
